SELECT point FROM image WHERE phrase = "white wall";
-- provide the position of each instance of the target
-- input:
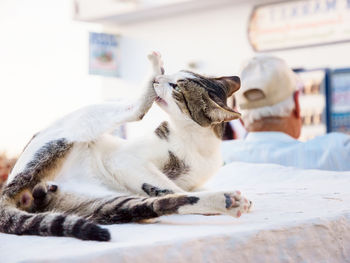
(216, 39)
(44, 59)
(43, 68)
(213, 39)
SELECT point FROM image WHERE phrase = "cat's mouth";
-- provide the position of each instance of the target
(160, 101)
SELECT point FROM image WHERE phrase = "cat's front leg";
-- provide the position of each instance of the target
(157, 63)
(90, 122)
(146, 100)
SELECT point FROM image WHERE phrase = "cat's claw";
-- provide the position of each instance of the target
(157, 62)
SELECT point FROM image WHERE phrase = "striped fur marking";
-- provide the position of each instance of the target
(80, 221)
(45, 159)
(122, 209)
(57, 228)
(204, 99)
(175, 167)
(127, 209)
(155, 191)
(15, 221)
(163, 131)
(171, 204)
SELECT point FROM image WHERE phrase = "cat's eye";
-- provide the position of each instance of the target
(174, 86)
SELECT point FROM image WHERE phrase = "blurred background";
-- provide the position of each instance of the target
(58, 55)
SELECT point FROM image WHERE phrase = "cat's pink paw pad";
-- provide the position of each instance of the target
(247, 205)
(231, 200)
(156, 59)
(154, 55)
(236, 203)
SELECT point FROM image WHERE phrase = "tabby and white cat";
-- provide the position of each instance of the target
(101, 179)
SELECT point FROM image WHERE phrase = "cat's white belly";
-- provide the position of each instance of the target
(84, 173)
(201, 169)
(91, 188)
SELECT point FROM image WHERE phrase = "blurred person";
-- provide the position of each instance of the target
(234, 129)
(269, 104)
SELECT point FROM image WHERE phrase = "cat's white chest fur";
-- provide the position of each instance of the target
(199, 151)
(200, 171)
(144, 160)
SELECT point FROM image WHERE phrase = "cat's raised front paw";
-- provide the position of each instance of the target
(157, 62)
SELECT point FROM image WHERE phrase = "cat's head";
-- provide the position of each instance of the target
(190, 96)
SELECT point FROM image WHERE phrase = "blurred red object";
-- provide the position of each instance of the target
(6, 165)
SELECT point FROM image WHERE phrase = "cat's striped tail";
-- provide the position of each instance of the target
(15, 221)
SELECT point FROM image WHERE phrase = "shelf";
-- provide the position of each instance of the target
(132, 11)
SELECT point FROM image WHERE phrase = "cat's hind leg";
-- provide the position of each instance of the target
(125, 209)
(222, 202)
(122, 208)
(225, 202)
(42, 165)
(209, 202)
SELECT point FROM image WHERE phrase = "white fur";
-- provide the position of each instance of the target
(164, 91)
(281, 109)
(100, 164)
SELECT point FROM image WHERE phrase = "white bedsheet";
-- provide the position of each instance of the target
(298, 216)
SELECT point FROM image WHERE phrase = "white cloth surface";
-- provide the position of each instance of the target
(327, 152)
(297, 216)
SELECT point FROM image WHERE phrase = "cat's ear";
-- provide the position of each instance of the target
(221, 113)
(233, 83)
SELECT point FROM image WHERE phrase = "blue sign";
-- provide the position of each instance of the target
(103, 54)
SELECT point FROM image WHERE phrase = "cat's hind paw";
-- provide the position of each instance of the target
(157, 63)
(43, 193)
(236, 204)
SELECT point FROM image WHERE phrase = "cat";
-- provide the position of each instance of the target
(75, 175)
